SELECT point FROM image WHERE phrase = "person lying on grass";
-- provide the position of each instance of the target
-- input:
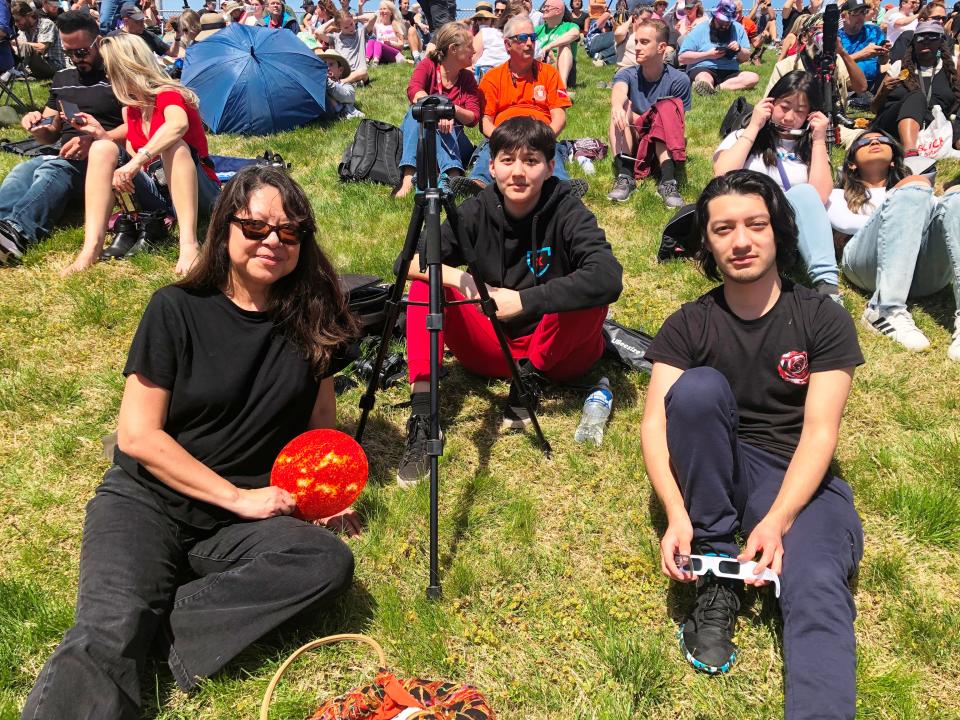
(187, 550)
(741, 422)
(551, 271)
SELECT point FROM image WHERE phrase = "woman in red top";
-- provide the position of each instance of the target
(162, 121)
(447, 70)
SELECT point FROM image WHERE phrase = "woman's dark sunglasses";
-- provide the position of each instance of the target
(523, 37)
(259, 230)
(879, 139)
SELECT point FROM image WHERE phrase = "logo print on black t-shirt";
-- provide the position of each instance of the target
(794, 367)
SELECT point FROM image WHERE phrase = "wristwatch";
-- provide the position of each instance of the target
(143, 151)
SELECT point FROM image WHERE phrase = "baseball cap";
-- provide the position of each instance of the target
(929, 28)
(131, 12)
(851, 5)
(726, 11)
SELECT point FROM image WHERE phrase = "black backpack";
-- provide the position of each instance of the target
(680, 237)
(374, 154)
(737, 117)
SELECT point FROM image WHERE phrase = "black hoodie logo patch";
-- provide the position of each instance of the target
(540, 262)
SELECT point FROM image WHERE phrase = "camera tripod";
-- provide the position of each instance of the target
(423, 239)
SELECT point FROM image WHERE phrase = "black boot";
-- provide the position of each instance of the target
(153, 233)
(124, 237)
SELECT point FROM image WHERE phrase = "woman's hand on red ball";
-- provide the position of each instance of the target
(262, 503)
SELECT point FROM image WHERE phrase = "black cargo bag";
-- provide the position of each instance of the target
(627, 345)
(374, 154)
(737, 117)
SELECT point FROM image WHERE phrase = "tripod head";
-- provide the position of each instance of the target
(428, 112)
(433, 108)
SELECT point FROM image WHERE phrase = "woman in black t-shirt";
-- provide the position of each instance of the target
(187, 549)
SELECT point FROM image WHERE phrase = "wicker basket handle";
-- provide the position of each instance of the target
(329, 640)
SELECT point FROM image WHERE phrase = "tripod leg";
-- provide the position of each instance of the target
(435, 327)
(368, 399)
(489, 308)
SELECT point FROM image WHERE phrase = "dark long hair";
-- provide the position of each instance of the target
(854, 191)
(307, 305)
(767, 139)
(749, 182)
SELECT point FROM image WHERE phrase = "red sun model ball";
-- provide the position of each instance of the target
(324, 470)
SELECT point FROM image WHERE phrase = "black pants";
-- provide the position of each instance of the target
(250, 578)
(439, 12)
(728, 486)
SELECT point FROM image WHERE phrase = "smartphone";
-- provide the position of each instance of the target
(70, 110)
(48, 120)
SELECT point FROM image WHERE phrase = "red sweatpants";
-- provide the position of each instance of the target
(563, 346)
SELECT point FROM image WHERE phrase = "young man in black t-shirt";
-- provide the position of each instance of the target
(743, 410)
(35, 192)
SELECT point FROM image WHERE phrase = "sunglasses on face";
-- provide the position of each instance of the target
(523, 37)
(939, 19)
(80, 53)
(258, 230)
(861, 11)
(879, 139)
(930, 39)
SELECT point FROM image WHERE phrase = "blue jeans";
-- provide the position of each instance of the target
(202, 596)
(453, 149)
(728, 486)
(108, 15)
(35, 193)
(815, 241)
(603, 46)
(480, 70)
(481, 165)
(910, 246)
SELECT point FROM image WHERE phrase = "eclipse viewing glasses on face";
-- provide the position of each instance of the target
(879, 139)
(725, 567)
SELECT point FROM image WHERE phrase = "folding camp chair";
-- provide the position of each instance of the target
(8, 95)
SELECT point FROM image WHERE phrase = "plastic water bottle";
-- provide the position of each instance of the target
(587, 164)
(596, 410)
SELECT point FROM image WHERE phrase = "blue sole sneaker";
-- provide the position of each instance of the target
(706, 637)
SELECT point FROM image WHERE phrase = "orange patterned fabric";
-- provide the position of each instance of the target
(387, 696)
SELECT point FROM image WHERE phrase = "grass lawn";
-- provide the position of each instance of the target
(553, 602)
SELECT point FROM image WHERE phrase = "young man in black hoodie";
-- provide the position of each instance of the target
(550, 271)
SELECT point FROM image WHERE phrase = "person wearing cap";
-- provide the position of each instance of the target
(446, 70)
(713, 52)
(488, 46)
(934, 12)
(556, 39)
(928, 77)
(133, 22)
(210, 23)
(864, 42)
(648, 103)
(50, 9)
(341, 96)
(37, 41)
(232, 11)
(903, 18)
(809, 28)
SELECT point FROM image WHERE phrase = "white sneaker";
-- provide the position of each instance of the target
(953, 352)
(898, 326)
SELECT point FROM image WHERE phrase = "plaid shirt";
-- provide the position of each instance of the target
(45, 31)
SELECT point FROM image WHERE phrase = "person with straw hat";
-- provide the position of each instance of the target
(488, 46)
(341, 96)
(232, 11)
(210, 23)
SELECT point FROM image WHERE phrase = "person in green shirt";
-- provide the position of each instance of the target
(556, 38)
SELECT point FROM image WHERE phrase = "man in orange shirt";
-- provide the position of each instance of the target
(521, 87)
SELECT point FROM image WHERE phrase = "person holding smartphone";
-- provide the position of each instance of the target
(35, 193)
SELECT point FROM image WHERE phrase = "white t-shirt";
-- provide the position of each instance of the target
(797, 173)
(848, 222)
(494, 52)
(893, 31)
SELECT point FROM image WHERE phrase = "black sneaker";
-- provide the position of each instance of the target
(623, 188)
(706, 637)
(579, 187)
(671, 196)
(415, 463)
(515, 414)
(12, 244)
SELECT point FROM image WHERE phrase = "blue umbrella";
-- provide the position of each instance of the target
(255, 81)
